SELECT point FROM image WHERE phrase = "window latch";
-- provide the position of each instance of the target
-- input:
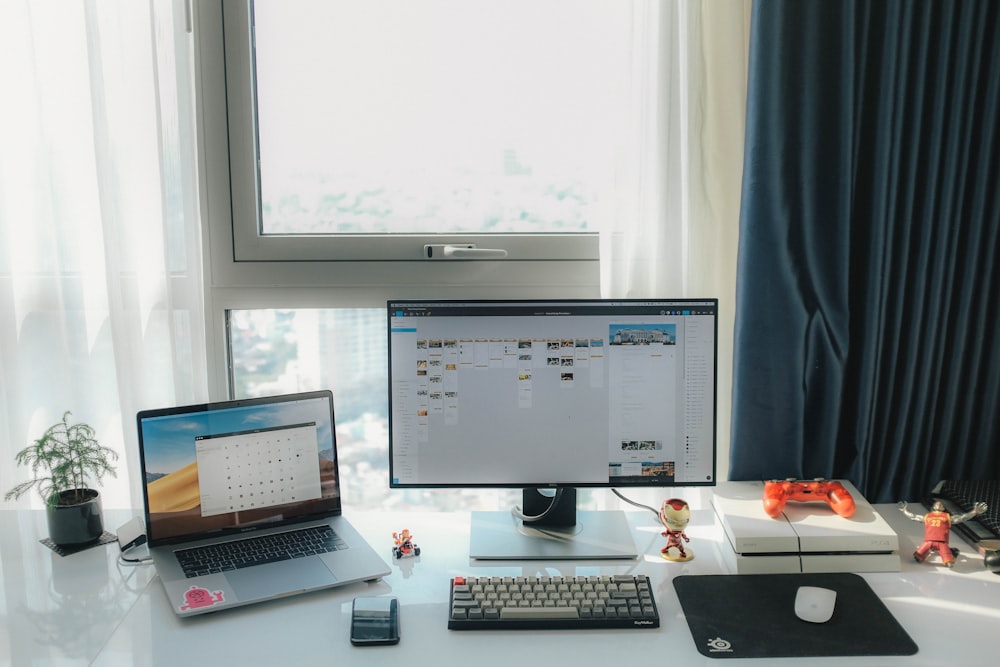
(461, 251)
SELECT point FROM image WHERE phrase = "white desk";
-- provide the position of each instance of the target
(85, 609)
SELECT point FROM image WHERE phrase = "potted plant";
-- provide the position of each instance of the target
(64, 461)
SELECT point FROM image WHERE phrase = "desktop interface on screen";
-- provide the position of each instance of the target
(572, 393)
(552, 393)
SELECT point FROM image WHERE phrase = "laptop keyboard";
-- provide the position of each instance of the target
(259, 550)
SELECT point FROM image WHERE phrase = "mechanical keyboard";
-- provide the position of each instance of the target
(539, 603)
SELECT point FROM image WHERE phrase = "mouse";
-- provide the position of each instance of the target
(815, 604)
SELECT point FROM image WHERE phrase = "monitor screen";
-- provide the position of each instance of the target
(552, 393)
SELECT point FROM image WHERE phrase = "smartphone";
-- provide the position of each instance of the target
(375, 620)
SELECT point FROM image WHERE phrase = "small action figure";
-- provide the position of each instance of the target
(675, 515)
(404, 545)
(937, 530)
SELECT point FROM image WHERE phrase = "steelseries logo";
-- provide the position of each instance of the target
(719, 645)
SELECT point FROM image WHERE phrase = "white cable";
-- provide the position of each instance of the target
(519, 513)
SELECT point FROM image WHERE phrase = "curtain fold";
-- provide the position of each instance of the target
(101, 294)
(869, 239)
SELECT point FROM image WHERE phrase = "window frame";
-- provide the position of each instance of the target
(249, 245)
(295, 272)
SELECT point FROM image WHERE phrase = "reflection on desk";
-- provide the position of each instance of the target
(87, 609)
(60, 609)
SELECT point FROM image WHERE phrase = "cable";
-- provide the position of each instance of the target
(519, 513)
(134, 561)
(122, 560)
(635, 504)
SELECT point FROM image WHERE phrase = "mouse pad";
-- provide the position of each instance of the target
(753, 616)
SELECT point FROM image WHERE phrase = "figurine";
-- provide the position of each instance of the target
(403, 544)
(675, 515)
(778, 492)
(937, 530)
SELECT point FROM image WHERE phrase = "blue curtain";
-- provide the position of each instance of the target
(868, 295)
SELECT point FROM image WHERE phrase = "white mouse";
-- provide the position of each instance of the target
(815, 604)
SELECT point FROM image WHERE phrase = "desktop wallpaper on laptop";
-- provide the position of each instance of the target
(219, 470)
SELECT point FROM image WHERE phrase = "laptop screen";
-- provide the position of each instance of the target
(239, 465)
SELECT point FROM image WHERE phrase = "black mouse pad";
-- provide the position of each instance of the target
(753, 616)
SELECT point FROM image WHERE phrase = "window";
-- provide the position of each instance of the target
(371, 128)
(339, 138)
(335, 147)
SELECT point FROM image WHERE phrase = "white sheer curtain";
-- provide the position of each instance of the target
(101, 296)
(675, 229)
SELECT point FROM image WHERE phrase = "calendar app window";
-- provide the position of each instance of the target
(255, 469)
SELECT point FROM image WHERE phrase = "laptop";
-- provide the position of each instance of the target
(229, 484)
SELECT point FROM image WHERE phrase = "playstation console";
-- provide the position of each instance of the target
(806, 534)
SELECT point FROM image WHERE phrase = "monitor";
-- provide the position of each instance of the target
(550, 396)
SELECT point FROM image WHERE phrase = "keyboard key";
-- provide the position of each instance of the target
(541, 613)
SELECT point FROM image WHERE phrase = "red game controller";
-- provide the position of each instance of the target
(778, 492)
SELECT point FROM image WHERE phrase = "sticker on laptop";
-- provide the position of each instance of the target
(197, 597)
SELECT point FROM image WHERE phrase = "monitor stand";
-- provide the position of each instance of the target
(565, 535)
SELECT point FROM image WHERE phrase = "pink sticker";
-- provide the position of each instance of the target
(197, 597)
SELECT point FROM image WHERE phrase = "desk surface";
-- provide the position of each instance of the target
(87, 609)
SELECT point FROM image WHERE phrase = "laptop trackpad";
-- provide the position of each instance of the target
(278, 579)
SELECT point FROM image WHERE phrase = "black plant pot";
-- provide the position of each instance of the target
(75, 523)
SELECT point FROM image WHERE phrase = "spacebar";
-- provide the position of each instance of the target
(508, 613)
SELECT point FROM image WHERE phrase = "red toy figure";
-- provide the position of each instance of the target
(404, 545)
(675, 515)
(937, 530)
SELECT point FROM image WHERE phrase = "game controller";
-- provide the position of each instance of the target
(778, 492)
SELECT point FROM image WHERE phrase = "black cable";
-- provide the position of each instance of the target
(147, 560)
(134, 561)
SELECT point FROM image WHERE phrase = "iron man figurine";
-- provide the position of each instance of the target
(675, 515)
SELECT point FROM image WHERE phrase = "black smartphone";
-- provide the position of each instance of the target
(374, 620)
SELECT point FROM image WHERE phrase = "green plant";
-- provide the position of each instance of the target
(71, 456)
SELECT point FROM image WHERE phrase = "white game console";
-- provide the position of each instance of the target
(805, 537)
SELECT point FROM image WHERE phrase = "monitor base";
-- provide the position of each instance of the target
(596, 535)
